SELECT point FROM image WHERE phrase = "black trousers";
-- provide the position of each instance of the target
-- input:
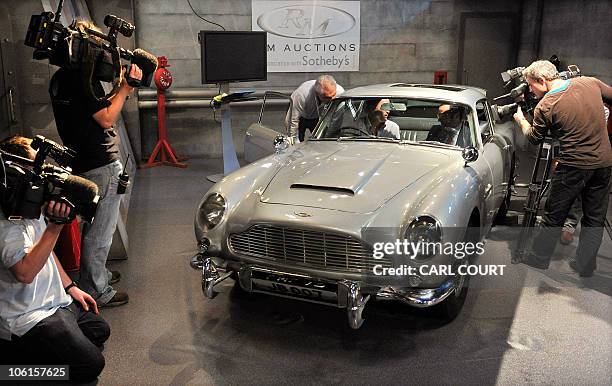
(71, 336)
(567, 183)
(305, 124)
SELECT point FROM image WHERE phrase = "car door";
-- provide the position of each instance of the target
(495, 153)
(259, 141)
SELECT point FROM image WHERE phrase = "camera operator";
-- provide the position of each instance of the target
(39, 321)
(572, 111)
(85, 124)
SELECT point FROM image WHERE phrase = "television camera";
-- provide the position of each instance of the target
(77, 47)
(27, 184)
(547, 150)
(520, 94)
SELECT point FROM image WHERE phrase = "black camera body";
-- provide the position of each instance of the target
(28, 184)
(521, 95)
(62, 155)
(75, 48)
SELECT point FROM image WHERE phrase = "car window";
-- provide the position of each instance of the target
(415, 120)
(484, 122)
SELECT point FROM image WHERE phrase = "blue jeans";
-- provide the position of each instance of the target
(98, 236)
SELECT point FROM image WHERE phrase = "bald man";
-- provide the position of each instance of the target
(308, 102)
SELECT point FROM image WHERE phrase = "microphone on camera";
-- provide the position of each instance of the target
(147, 63)
(79, 192)
(81, 189)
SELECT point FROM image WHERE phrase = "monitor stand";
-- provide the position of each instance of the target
(230, 159)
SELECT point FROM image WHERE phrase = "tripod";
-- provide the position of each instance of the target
(537, 189)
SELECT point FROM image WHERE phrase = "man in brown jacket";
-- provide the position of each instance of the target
(572, 111)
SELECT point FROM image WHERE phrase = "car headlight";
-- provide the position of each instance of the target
(424, 230)
(212, 210)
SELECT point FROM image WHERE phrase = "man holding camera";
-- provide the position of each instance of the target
(572, 110)
(39, 321)
(85, 117)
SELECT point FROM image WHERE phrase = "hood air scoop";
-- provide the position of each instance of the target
(330, 189)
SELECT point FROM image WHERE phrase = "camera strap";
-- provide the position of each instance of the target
(62, 220)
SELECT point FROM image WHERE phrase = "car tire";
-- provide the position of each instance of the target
(237, 290)
(452, 305)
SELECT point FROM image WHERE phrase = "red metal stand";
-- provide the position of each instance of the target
(163, 80)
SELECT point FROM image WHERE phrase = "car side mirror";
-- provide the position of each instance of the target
(280, 144)
(469, 154)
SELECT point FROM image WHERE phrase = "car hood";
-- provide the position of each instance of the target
(350, 176)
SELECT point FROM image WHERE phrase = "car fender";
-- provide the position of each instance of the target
(241, 189)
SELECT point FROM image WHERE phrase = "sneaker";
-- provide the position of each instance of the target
(115, 277)
(119, 299)
(574, 266)
(567, 236)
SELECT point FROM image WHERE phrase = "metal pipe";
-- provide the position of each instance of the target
(199, 103)
(539, 19)
(11, 106)
(191, 93)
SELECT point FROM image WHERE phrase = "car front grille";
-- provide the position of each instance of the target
(304, 247)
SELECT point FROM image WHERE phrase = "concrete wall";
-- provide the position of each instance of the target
(401, 40)
(34, 75)
(578, 32)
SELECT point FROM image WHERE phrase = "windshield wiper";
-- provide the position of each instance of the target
(369, 137)
(386, 139)
(347, 138)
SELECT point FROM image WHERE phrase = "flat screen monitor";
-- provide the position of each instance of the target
(233, 56)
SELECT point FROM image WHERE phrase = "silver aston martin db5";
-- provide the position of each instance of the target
(424, 163)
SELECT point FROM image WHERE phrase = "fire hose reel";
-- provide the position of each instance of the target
(162, 77)
(167, 156)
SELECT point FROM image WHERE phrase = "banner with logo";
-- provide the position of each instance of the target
(309, 36)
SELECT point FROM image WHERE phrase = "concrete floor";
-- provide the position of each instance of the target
(527, 327)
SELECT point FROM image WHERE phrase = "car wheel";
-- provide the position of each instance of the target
(503, 209)
(237, 290)
(452, 305)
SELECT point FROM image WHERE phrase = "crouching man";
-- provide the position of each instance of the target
(44, 317)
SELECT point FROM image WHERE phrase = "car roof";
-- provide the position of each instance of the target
(448, 92)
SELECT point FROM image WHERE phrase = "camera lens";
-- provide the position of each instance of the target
(113, 22)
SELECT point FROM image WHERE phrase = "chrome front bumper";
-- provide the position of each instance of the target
(349, 293)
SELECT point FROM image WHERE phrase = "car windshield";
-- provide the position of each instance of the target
(428, 122)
